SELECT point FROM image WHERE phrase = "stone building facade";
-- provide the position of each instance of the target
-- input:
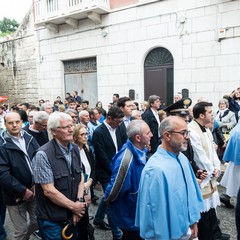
(18, 75)
(136, 47)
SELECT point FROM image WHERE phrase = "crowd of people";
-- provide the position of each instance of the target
(158, 167)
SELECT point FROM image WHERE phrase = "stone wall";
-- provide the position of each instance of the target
(18, 75)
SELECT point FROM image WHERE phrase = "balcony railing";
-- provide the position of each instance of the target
(56, 11)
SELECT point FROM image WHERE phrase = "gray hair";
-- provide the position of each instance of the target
(83, 112)
(55, 118)
(152, 99)
(166, 125)
(44, 106)
(39, 116)
(134, 128)
(69, 110)
(135, 113)
(224, 100)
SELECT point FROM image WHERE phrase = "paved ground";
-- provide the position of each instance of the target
(226, 216)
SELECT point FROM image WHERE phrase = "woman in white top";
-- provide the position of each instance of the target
(80, 137)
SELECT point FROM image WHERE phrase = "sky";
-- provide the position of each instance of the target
(14, 9)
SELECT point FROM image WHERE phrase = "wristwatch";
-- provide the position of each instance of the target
(81, 199)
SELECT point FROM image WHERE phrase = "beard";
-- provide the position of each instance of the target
(178, 147)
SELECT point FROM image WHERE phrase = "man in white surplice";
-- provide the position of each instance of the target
(206, 158)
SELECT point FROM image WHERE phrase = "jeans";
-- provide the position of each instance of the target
(105, 208)
(53, 230)
(2, 217)
(18, 214)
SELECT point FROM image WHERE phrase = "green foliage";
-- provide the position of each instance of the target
(8, 26)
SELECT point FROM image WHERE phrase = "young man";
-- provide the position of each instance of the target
(206, 158)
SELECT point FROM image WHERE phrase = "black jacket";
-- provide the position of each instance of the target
(104, 151)
(150, 119)
(15, 175)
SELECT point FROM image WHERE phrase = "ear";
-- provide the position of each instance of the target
(201, 115)
(137, 138)
(166, 136)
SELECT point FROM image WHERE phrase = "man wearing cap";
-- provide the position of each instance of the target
(151, 117)
(180, 108)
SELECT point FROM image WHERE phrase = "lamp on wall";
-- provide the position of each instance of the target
(104, 33)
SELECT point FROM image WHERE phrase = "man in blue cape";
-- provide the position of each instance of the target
(169, 199)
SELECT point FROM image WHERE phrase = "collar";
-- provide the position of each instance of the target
(108, 126)
(7, 134)
(203, 128)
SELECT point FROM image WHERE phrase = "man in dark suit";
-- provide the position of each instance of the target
(107, 142)
(126, 106)
(151, 117)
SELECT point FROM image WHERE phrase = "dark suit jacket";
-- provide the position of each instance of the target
(150, 119)
(104, 151)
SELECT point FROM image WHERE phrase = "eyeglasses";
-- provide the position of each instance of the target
(184, 133)
(118, 121)
(66, 127)
(42, 125)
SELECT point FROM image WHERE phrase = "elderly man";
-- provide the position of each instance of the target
(74, 115)
(16, 175)
(58, 179)
(169, 199)
(47, 107)
(39, 127)
(127, 166)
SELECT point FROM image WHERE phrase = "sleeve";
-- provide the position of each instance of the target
(232, 121)
(100, 152)
(42, 171)
(8, 181)
(114, 187)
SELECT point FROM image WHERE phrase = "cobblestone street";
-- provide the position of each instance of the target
(226, 216)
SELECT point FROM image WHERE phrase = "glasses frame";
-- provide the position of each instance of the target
(184, 133)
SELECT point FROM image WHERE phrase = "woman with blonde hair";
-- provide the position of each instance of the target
(80, 137)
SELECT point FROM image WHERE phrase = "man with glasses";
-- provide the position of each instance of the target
(58, 179)
(107, 142)
(17, 148)
(39, 127)
(74, 115)
(206, 158)
(169, 199)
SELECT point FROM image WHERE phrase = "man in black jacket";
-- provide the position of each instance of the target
(151, 117)
(16, 152)
(107, 142)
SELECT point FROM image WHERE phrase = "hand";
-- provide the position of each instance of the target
(202, 174)
(194, 229)
(28, 194)
(79, 209)
(87, 198)
(75, 219)
(215, 173)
